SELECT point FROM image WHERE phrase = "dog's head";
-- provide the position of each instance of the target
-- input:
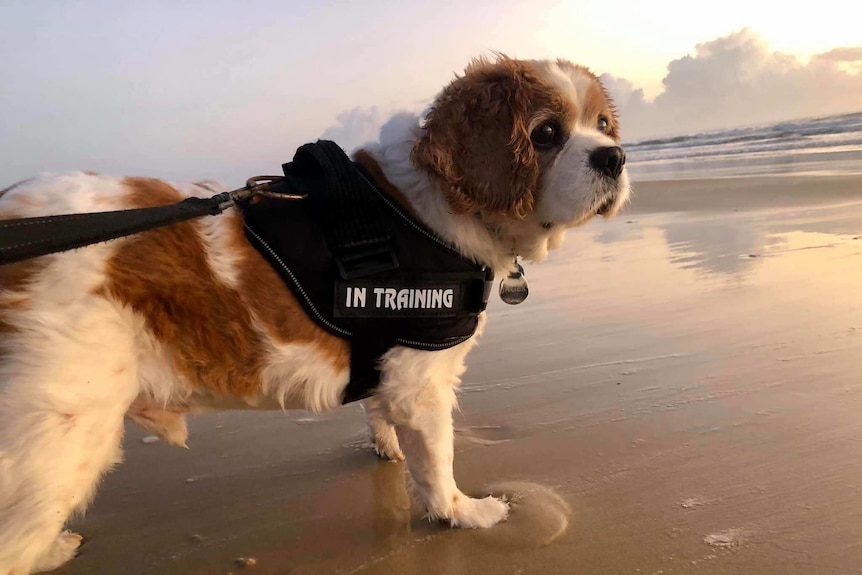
(531, 147)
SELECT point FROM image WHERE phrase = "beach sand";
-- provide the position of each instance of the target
(681, 393)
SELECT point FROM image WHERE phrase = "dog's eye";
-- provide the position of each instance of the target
(602, 124)
(545, 135)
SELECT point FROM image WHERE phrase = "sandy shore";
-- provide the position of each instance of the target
(680, 394)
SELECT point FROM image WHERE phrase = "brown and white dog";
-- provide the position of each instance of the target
(191, 317)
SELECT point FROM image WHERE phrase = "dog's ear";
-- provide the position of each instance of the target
(476, 140)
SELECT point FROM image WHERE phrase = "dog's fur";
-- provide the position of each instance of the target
(191, 317)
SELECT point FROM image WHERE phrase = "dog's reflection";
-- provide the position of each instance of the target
(405, 544)
(401, 546)
(391, 503)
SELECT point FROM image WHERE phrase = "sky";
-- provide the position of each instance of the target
(187, 89)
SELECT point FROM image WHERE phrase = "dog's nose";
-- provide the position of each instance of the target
(608, 160)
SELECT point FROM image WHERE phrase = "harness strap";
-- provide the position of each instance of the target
(26, 238)
(356, 231)
(366, 351)
(358, 237)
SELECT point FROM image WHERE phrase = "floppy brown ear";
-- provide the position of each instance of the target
(476, 140)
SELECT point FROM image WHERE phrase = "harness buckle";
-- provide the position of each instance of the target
(263, 186)
(361, 261)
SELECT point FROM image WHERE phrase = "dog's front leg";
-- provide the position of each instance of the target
(428, 444)
(422, 414)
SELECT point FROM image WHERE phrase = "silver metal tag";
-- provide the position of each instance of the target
(514, 288)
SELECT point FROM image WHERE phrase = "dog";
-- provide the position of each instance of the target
(190, 317)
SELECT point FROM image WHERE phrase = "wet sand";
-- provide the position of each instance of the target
(681, 393)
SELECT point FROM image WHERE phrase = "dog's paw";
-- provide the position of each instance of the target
(168, 424)
(385, 442)
(478, 513)
(64, 548)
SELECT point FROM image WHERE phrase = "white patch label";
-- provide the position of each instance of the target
(396, 299)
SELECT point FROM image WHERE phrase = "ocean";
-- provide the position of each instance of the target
(815, 146)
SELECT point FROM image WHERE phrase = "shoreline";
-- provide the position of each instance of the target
(746, 192)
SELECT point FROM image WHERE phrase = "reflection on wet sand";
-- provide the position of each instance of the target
(539, 517)
(716, 246)
(391, 505)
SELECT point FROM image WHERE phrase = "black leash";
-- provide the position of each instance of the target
(26, 238)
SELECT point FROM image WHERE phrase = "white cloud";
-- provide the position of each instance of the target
(739, 80)
(842, 54)
(355, 127)
(361, 125)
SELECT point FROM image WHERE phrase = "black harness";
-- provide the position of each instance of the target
(361, 267)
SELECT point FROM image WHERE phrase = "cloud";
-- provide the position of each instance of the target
(842, 54)
(732, 81)
(355, 127)
(738, 80)
(361, 125)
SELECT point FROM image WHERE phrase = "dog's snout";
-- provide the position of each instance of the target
(608, 160)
